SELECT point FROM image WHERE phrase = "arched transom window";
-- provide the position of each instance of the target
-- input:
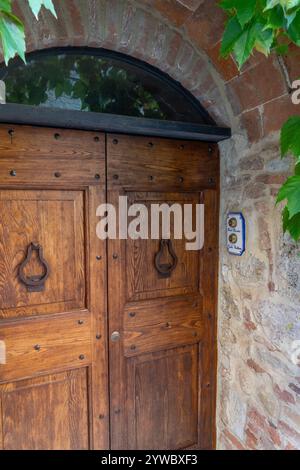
(99, 81)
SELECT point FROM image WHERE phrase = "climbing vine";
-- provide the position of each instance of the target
(269, 26)
(12, 34)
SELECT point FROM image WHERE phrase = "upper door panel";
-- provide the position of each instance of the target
(53, 220)
(163, 165)
(30, 155)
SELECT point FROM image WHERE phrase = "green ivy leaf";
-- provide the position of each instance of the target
(232, 33)
(290, 137)
(276, 18)
(291, 191)
(36, 6)
(264, 39)
(12, 30)
(244, 46)
(12, 36)
(5, 6)
(285, 219)
(282, 49)
(286, 4)
(294, 29)
(294, 227)
(244, 9)
(291, 225)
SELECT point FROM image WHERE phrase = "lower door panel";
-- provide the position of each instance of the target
(49, 412)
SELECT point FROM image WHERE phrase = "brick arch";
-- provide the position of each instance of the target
(182, 38)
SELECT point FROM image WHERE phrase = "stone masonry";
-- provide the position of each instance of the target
(259, 302)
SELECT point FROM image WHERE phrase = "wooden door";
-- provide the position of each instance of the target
(54, 272)
(53, 364)
(162, 330)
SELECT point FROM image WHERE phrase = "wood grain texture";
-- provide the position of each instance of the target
(66, 384)
(98, 377)
(209, 290)
(56, 368)
(143, 284)
(55, 220)
(161, 324)
(46, 413)
(50, 156)
(61, 340)
(163, 399)
(162, 368)
(141, 163)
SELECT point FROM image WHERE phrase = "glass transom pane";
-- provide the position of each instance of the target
(98, 82)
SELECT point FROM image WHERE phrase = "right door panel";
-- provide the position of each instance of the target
(162, 299)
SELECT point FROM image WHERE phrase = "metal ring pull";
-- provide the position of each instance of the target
(34, 283)
(165, 270)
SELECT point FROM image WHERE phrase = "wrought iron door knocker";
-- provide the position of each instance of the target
(165, 269)
(34, 283)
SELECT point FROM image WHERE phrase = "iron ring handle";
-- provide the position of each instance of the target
(165, 270)
(34, 283)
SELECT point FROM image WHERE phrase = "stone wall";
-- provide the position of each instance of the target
(259, 305)
(259, 312)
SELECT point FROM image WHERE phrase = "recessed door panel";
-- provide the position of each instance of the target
(146, 283)
(163, 390)
(46, 413)
(54, 220)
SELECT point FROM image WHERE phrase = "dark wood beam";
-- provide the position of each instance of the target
(49, 117)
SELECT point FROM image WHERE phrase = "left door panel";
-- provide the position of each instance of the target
(53, 386)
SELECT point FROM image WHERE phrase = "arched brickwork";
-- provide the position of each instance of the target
(182, 38)
(259, 387)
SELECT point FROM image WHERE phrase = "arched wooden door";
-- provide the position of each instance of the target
(98, 347)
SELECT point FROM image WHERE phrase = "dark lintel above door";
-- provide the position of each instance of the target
(69, 119)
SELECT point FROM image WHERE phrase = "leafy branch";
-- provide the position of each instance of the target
(12, 34)
(290, 191)
(269, 26)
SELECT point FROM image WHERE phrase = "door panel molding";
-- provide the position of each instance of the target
(54, 219)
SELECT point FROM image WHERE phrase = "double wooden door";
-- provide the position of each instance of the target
(104, 343)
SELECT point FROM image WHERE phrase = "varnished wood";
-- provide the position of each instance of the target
(209, 290)
(49, 412)
(2, 352)
(38, 346)
(156, 387)
(54, 386)
(54, 219)
(58, 157)
(141, 253)
(138, 163)
(163, 399)
(162, 370)
(99, 393)
(161, 324)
